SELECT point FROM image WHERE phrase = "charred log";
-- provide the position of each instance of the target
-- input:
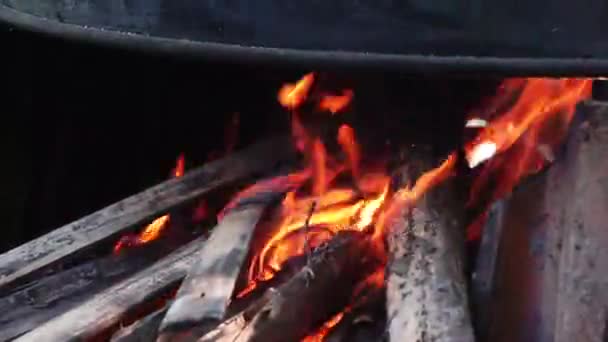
(315, 294)
(426, 287)
(365, 320)
(66, 241)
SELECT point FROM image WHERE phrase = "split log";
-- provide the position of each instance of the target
(43, 299)
(144, 330)
(206, 291)
(109, 222)
(582, 306)
(203, 297)
(105, 310)
(426, 287)
(518, 303)
(305, 302)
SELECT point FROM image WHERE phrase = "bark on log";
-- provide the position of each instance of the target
(305, 302)
(144, 330)
(66, 241)
(203, 297)
(104, 310)
(426, 287)
(38, 302)
(582, 307)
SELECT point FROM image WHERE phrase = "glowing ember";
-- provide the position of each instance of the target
(291, 96)
(336, 103)
(325, 329)
(152, 231)
(481, 152)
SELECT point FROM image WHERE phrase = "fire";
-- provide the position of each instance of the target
(539, 99)
(319, 335)
(346, 138)
(152, 231)
(517, 132)
(293, 95)
(406, 196)
(526, 121)
(305, 221)
(336, 103)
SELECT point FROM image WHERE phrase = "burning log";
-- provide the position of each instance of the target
(203, 297)
(582, 303)
(43, 299)
(105, 310)
(66, 241)
(426, 287)
(306, 301)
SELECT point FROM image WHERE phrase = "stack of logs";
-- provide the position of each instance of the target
(517, 280)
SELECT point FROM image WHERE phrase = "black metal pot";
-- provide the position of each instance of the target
(542, 37)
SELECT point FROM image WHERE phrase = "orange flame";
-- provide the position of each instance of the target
(346, 139)
(292, 96)
(407, 197)
(374, 280)
(336, 103)
(335, 209)
(519, 140)
(153, 230)
(326, 328)
(539, 99)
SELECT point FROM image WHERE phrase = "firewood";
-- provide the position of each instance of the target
(144, 330)
(517, 299)
(65, 242)
(426, 287)
(104, 310)
(204, 295)
(48, 297)
(307, 300)
(582, 306)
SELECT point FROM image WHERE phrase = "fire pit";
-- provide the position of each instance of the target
(378, 207)
(346, 230)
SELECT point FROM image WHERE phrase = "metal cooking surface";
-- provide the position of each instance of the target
(478, 28)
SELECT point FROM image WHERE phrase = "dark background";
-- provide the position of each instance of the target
(85, 126)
